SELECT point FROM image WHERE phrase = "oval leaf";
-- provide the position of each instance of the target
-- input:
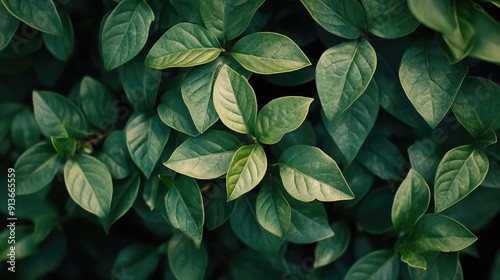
(140, 84)
(138, 260)
(98, 104)
(8, 26)
(115, 156)
(330, 249)
(24, 130)
(383, 264)
(389, 19)
(61, 47)
(309, 222)
(39, 14)
(273, 211)
(185, 259)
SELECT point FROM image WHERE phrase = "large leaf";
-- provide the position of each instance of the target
(39, 14)
(269, 53)
(460, 171)
(89, 184)
(342, 18)
(140, 84)
(61, 47)
(138, 260)
(330, 249)
(207, 156)
(309, 222)
(8, 26)
(146, 137)
(36, 168)
(235, 101)
(185, 259)
(381, 264)
(389, 19)
(98, 104)
(280, 116)
(125, 32)
(228, 19)
(343, 74)
(429, 81)
(308, 174)
(273, 211)
(114, 155)
(184, 45)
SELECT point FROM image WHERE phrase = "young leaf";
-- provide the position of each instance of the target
(381, 157)
(138, 260)
(184, 206)
(64, 146)
(36, 168)
(89, 184)
(309, 222)
(269, 53)
(140, 84)
(61, 47)
(125, 32)
(98, 103)
(429, 81)
(39, 14)
(24, 131)
(308, 173)
(342, 18)
(185, 259)
(350, 129)
(146, 138)
(235, 101)
(207, 156)
(280, 116)
(389, 19)
(460, 171)
(114, 155)
(273, 211)
(332, 248)
(343, 74)
(248, 167)
(410, 203)
(184, 45)
(382, 264)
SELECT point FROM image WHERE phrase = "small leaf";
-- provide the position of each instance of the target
(308, 174)
(89, 184)
(64, 146)
(138, 260)
(460, 171)
(41, 15)
(184, 45)
(140, 84)
(114, 155)
(8, 26)
(389, 19)
(150, 192)
(269, 53)
(309, 222)
(280, 116)
(125, 32)
(424, 158)
(382, 264)
(185, 259)
(98, 103)
(343, 74)
(381, 157)
(61, 47)
(330, 249)
(207, 156)
(273, 211)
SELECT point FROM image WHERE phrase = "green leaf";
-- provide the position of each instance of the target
(235, 101)
(429, 81)
(185, 259)
(382, 264)
(280, 116)
(89, 184)
(24, 130)
(125, 32)
(359, 180)
(469, 107)
(247, 228)
(41, 15)
(309, 222)
(343, 74)
(49, 256)
(114, 155)
(138, 260)
(8, 26)
(64, 146)
(374, 212)
(442, 266)
(61, 47)
(330, 249)
(228, 19)
(495, 268)
(141, 84)
(342, 18)
(36, 168)
(217, 210)
(424, 158)
(25, 243)
(184, 206)
(438, 15)
(146, 137)
(269, 53)
(350, 129)
(308, 173)
(189, 10)
(273, 211)
(381, 157)
(184, 45)
(389, 19)
(486, 45)
(56, 115)
(150, 192)
(248, 167)
(207, 156)
(410, 203)
(460, 171)
(98, 103)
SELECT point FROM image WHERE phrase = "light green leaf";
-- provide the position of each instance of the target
(308, 173)
(55, 115)
(184, 206)
(248, 167)
(350, 129)
(280, 116)
(381, 157)
(309, 222)
(273, 211)
(332, 248)
(410, 203)
(269, 53)
(64, 146)
(487, 43)
(343, 74)
(235, 101)
(140, 84)
(8, 26)
(36, 168)
(114, 155)
(184, 45)
(89, 184)
(136, 259)
(146, 137)
(228, 19)
(429, 81)
(382, 264)
(438, 15)
(24, 130)
(125, 32)
(98, 103)
(207, 156)
(185, 259)
(39, 14)
(61, 47)
(460, 171)
(389, 19)
(342, 18)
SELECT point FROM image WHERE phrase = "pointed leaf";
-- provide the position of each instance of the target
(114, 155)
(98, 103)
(273, 211)
(64, 146)
(389, 19)
(39, 14)
(140, 84)
(8, 26)
(381, 157)
(309, 222)
(138, 260)
(24, 131)
(61, 47)
(330, 249)
(382, 264)
(443, 266)
(248, 167)
(217, 210)
(425, 158)
(185, 259)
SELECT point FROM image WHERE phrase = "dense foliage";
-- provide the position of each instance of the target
(250, 139)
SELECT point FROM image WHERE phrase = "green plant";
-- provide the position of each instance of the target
(250, 139)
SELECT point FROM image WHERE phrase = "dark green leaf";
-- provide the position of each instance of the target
(374, 212)
(424, 158)
(495, 268)
(217, 210)
(25, 243)
(24, 131)
(442, 266)
(138, 260)
(150, 192)
(273, 211)
(140, 84)
(115, 156)
(8, 26)
(389, 19)
(185, 259)
(330, 249)
(61, 47)
(189, 10)
(359, 180)
(98, 104)
(381, 264)
(309, 222)
(381, 157)
(49, 256)
(39, 14)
